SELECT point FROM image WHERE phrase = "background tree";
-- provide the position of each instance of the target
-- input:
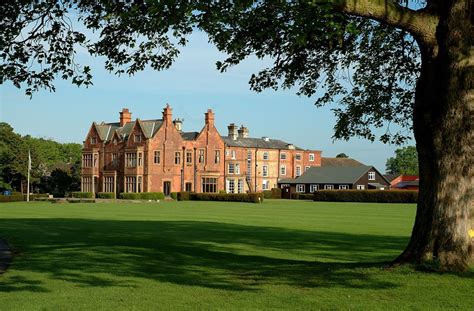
(342, 155)
(405, 162)
(366, 56)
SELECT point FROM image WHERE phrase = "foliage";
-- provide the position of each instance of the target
(302, 196)
(83, 195)
(105, 195)
(405, 162)
(11, 198)
(378, 196)
(267, 194)
(276, 193)
(253, 197)
(184, 196)
(174, 195)
(342, 155)
(142, 195)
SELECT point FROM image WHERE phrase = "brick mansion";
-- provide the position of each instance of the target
(158, 156)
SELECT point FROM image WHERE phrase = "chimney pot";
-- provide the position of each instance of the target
(125, 116)
(243, 132)
(232, 131)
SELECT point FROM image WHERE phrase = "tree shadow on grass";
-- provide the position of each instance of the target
(234, 257)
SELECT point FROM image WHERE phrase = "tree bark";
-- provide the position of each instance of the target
(442, 121)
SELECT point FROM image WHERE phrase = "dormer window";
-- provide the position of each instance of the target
(93, 140)
(138, 138)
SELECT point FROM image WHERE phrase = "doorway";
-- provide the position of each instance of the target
(285, 192)
(167, 188)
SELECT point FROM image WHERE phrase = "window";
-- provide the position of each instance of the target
(311, 157)
(249, 155)
(130, 184)
(115, 141)
(93, 140)
(265, 171)
(227, 152)
(328, 187)
(86, 184)
(265, 155)
(360, 187)
(230, 186)
(313, 188)
(232, 154)
(188, 186)
(283, 156)
(265, 184)
(95, 159)
(371, 175)
(108, 184)
(189, 157)
(157, 157)
(298, 171)
(240, 186)
(283, 170)
(248, 177)
(217, 156)
(237, 168)
(231, 168)
(201, 156)
(343, 187)
(300, 188)
(114, 159)
(131, 159)
(140, 159)
(87, 160)
(209, 184)
(306, 168)
(298, 157)
(139, 184)
(137, 138)
(177, 157)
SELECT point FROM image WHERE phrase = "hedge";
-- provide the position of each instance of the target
(142, 195)
(379, 196)
(81, 195)
(18, 197)
(253, 197)
(105, 195)
(174, 195)
(276, 193)
(302, 196)
(80, 200)
(184, 196)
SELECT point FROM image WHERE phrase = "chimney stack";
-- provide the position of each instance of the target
(232, 131)
(167, 115)
(209, 117)
(243, 132)
(178, 124)
(125, 116)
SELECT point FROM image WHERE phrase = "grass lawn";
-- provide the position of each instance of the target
(211, 255)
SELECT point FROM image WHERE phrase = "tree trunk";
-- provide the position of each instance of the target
(443, 114)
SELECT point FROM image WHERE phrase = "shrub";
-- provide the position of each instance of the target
(267, 194)
(378, 196)
(11, 198)
(184, 196)
(229, 197)
(142, 196)
(80, 200)
(276, 193)
(105, 195)
(84, 195)
(151, 195)
(302, 196)
(174, 195)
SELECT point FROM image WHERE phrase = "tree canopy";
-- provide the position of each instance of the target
(405, 162)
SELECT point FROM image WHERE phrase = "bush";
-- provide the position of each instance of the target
(378, 196)
(11, 198)
(276, 193)
(142, 196)
(174, 195)
(256, 197)
(302, 196)
(184, 196)
(80, 200)
(81, 195)
(267, 194)
(105, 195)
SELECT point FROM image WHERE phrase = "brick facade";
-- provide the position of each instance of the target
(157, 156)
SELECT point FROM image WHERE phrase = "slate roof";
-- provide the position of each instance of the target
(107, 130)
(189, 135)
(257, 143)
(330, 175)
(339, 162)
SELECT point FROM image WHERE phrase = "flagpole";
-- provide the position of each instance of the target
(28, 184)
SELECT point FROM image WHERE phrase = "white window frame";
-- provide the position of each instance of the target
(265, 170)
(282, 156)
(265, 155)
(298, 157)
(283, 170)
(343, 187)
(265, 184)
(232, 154)
(371, 175)
(298, 171)
(230, 185)
(328, 187)
(231, 168)
(311, 157)
(300, 188)
(313, 188)
(240, 186)
(237, 168)
(360, 187)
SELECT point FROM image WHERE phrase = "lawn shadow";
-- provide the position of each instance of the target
(192, 253)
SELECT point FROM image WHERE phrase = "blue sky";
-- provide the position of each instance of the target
(191, 86)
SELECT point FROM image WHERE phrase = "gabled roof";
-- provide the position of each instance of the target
(148, 127)
(339, 162)
(256, 143)
(105, 130)
(330, 175)
(189, 135)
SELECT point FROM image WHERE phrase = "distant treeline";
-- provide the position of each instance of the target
(55, 167)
